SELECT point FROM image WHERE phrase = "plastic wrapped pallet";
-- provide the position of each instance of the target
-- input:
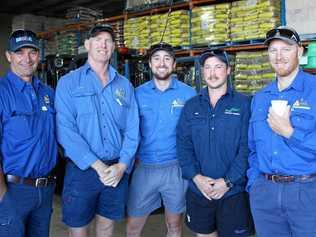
(210, 24)
(177, 31)
(250, 19)
(136, 32)
(82, 14)
(28, 21)
(67, 43)
(252, 71)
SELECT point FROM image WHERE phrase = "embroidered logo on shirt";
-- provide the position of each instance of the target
(177, 103)
(44, 108)
(301, 104)
(233, 111)
(46, 100)
(120, 95)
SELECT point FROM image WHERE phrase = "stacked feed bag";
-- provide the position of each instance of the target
(252, 71)
(177, 31)
(250, 19)
(210, 24)
(82, 14)
(29, 22)
(136, 32)
(67, 43)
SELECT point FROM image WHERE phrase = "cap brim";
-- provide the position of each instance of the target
(289, 41)
(207, 55)
(26, 45)
(162, 49)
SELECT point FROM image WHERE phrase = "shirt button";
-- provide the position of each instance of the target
(213, 115)
(212, 128)
(275, 153)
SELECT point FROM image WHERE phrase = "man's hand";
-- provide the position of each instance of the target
(204, 184)
(3, 186)
(114, 174)
(280, 124)
(100, 168)
(219, 189)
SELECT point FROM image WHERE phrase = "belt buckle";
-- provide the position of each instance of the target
(274, 178)
(41, 182)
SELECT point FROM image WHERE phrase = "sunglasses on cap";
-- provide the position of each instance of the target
(220, 54)
(161, 46)
(283, 33)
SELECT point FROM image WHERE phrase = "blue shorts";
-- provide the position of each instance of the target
(84, 196)
(153, 184)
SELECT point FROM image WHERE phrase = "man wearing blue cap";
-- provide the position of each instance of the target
(28, 145)
(212, 151)
(98, 127)
(282, 142)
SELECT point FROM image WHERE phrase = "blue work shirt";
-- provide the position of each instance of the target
(27, 127)
(213, 141)
(273, 154)
(159, 114)
(96, 122)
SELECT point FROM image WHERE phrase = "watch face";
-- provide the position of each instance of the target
(228, 183)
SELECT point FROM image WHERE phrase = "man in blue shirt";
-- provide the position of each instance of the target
(28, 143)
(157, 177)
(282, 173)
(98, 127)
(212, 150)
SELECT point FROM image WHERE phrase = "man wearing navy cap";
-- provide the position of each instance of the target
(28, 145)
(212, 151)
(157, 177)
(282, 142)
(98, 127)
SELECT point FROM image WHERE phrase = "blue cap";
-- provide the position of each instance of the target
(22, 38)
(217, 53)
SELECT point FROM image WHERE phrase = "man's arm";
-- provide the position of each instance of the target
(3, 186)
(69, 137)
(239, 166)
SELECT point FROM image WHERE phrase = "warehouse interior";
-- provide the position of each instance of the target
(237, 26)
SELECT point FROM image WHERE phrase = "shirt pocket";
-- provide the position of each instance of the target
(303, 119)
(19, 125)
(84, 102)
(121, 110)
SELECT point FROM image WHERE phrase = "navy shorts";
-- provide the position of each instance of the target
(84, 196)
(230, 216)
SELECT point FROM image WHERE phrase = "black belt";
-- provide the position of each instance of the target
(288, 178)
(36, 182)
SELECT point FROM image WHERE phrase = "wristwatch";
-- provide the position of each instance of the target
(229, 184)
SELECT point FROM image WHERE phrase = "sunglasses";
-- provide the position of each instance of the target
(283, 32)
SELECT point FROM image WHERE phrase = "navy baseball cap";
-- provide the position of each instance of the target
(101, 28)
(218, 53)
(22, 38)
(284, 33)
(161, 46)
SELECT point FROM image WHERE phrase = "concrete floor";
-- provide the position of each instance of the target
(154, 227)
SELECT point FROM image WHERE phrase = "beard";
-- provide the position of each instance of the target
(162, 76)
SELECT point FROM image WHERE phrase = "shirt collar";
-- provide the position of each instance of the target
(111, 71)
(229, 92)
(20, 84)
(297, 84)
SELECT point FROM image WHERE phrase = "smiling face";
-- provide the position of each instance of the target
(284, 57)
(24, 62)
(162, 65)
(215, 73)
(100, 47)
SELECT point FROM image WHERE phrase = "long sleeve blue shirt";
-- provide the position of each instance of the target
(213, 141)
(273, 154)
(96, 122)
(159, 114)
(27, 127)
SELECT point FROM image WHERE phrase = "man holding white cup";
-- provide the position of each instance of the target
(282, 142)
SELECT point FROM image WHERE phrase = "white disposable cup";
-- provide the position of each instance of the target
(279, 106)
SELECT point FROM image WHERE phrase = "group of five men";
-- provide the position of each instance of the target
(191, 153)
